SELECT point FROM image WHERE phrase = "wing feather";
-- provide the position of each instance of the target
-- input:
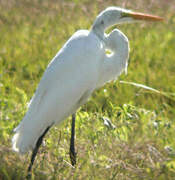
(72, 73)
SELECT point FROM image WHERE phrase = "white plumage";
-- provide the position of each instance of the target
(66, 83)
(75, 72)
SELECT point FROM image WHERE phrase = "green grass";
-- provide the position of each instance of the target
(140, 142)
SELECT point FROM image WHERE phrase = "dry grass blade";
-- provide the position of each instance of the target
(168, 95)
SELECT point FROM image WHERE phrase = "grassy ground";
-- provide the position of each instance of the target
(140, 143)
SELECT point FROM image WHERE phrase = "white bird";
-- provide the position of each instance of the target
(80, 67)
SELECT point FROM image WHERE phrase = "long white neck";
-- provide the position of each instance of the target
(108, 18)
(114, 64)
(99, 31)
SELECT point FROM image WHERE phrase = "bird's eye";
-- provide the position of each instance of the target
(102, 22)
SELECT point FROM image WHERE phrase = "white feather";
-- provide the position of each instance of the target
(59, 91)
(75, 72)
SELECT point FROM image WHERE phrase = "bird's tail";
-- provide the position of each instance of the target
(23, 140)
(26, 136)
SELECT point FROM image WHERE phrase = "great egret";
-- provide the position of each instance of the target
(80, 67)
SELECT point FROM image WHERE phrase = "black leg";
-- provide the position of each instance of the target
(72, 152)
(39, 142)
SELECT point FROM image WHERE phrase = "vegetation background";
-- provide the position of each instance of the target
(124, 132)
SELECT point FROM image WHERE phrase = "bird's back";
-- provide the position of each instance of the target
(66, 84)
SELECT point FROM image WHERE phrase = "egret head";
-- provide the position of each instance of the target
(116, 15)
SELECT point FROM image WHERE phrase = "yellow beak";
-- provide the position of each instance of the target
(142, 16)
